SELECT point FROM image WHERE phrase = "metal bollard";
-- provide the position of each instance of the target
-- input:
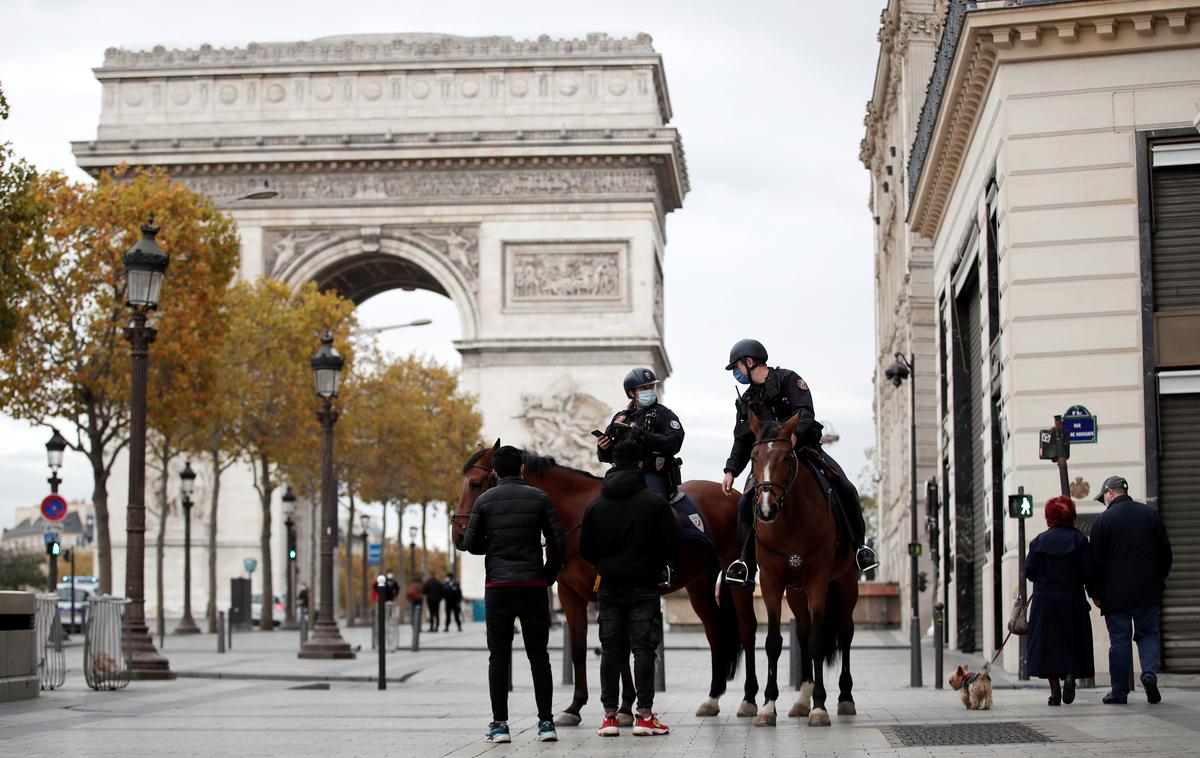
(416, 628)
(381, 628)
(568, 663)
(939, 625)
(793, 655)
(220, 631)
(303, 625)
(229, 629)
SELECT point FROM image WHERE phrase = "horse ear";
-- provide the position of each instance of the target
(789, 426)
(496, 446)
(756, 424)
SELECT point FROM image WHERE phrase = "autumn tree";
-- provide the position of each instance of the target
(69, 360)
(272, 335)
(22, 213)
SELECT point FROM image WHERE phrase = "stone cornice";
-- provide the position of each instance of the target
(993, 36)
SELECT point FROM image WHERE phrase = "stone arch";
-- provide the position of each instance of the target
(363, 263)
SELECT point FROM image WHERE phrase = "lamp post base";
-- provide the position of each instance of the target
(326, 643)
(145, 662)
(187, 625)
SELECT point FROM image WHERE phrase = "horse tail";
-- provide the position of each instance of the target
(825, 638)
(729, 643)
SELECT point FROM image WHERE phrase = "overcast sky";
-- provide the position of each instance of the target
(774, 241)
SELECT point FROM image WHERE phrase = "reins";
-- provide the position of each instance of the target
(795, 560)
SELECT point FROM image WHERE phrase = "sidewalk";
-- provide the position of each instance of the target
(436, 704)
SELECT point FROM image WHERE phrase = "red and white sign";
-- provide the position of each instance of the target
(54, 507)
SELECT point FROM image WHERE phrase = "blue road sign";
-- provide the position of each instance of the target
(374, 553)
(1081, 425)
(54, 507)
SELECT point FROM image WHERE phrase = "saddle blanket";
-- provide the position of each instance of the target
(694, 527)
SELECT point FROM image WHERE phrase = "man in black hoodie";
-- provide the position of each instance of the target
(629, 533)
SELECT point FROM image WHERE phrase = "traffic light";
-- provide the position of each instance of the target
(922, 581)
(1020, 506)
(53, 547)
(291, 537)
(66, 555)
(291, 553)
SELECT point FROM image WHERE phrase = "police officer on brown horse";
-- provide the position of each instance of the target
(777, 394)
(652, 426)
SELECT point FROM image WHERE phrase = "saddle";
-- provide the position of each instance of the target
(811, 458)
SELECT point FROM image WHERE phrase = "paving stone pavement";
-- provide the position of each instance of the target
(441, 708)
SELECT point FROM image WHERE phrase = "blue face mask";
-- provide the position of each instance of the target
(647, 398)
(740, 376)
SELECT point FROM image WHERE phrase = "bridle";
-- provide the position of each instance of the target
(464, 518)
(793, 467)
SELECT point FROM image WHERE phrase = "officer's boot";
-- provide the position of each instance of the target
(865, 556)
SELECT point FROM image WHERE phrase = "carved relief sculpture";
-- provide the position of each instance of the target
(558, 276)
(560, 421)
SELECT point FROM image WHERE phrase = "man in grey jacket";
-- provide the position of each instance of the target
(508, 525)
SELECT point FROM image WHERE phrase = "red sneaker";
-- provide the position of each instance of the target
(609, 728)
(645, 727)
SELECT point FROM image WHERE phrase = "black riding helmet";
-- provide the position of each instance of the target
(746, 349)
(638, 377)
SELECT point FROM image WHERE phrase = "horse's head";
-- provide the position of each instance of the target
(478, 477)
(774, 465)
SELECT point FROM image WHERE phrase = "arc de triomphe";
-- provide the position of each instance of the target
(528, 181)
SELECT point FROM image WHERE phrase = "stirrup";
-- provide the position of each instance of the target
(746, 582)
(866, 559)
(666, 577)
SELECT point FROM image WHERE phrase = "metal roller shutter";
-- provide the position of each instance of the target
(1176, 238)
(1179, 499)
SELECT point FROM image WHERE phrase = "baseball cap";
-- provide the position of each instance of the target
(1111, 483)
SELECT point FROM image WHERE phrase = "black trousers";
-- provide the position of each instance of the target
(503, 606)
(629, 617)
(434, 618)
(455, 610)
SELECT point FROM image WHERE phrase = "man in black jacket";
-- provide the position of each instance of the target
(1131, 554)
(629, 533)
(508, 524)
(433, 591)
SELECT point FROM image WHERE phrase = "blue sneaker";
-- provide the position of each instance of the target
(497, 733)
(546, 731)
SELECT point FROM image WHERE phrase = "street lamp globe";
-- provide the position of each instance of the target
(145, 265)
(327, 367)
(897, 372)
(412, 534)
(365, 520)
(289, 502)
(54, 450)
(187, 481)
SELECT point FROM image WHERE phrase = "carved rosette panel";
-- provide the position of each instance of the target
(559, 421)
(458, 245)
(566, 275)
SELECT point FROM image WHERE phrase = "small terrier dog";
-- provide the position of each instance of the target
(975, 689)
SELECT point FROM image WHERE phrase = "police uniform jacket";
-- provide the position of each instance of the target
(782, 395)
(662, 438)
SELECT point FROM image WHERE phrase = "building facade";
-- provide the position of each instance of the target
(526, 180)
(1056, 173)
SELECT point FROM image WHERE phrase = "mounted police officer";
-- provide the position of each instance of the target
(777, 394)
(652, 426)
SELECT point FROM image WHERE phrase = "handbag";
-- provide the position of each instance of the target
(1018, 622)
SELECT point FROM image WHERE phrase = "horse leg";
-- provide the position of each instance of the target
(575, 611)
(849, 590)
(773, 599)
(799, 606)
(816, 607)
(704, 603)
(747, 629)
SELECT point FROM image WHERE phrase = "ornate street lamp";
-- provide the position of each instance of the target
(326, 640)
(54, 457)
(289, 523)
(901, 370)
(412, 554)
(187, 485)
(145, 265)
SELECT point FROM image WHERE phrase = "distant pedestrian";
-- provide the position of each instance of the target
(630, 534)
(508, 524)
(392, 588)
(452, 594)
(415, 601)
(1060, 624)
(434, 591)
(1132, 556)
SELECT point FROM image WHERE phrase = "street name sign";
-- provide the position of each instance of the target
(1080, 423)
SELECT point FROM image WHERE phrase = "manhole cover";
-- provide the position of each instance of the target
(997, 733)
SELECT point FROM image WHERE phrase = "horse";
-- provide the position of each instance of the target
(801, 554)
(729, 624)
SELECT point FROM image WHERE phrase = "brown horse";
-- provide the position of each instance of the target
(729, 625)
(801, 554)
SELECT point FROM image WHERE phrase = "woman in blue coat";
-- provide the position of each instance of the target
(1060, 624)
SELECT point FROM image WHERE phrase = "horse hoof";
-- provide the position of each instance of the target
(799, 710)
(819, 717)
(708, 708)
(624, 719)
(846, 708)
(766, 716)
(567, 719)
(747, 710)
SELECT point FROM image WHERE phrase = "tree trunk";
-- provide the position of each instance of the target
(103, 567)
(348, 572)
(163, 481)
(424, 545)
(266, 614)
(211, 611)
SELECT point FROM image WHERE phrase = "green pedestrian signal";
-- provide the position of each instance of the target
(292, 554)
(1020, 506)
